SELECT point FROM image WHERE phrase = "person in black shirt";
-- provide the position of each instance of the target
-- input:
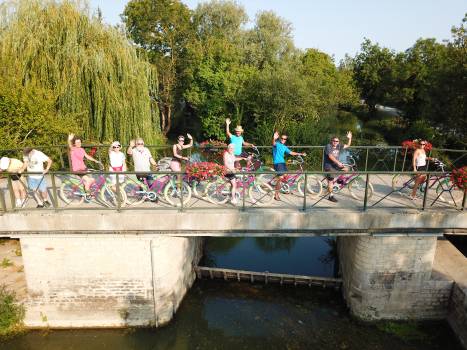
(331, 160)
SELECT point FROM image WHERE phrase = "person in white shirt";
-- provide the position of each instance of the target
(229, 162)
(142, 159)
(33, 161)
(117, 162)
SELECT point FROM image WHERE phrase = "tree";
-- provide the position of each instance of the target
(89, 70)
(163, 29)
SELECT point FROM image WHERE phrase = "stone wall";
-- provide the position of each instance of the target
(390, 278)
(457, 317)
(106, 280)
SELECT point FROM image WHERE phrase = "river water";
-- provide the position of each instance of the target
(231, 315)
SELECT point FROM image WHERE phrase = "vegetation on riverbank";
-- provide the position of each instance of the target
(11, 314)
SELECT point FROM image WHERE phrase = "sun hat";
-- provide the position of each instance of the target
(115, 144)
(4, 163)
(239, 128)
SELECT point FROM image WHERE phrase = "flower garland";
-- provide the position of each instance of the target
(205, 170)
(459, 177)
(411, 145)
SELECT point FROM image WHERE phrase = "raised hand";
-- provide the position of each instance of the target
(227, 121)
(276, 135)
(70, 136)
(189, 136)
(349, 134)
(132, 143)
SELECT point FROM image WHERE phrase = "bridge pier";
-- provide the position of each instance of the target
(106, 280)
(391, 278)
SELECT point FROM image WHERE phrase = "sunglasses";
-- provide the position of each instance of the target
(284, 138)
(140, 144)
(116, 146)
(423, 144)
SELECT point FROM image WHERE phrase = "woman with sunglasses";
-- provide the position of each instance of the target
(177, 149)
(77, 156)
(419, 164)
(117, 163)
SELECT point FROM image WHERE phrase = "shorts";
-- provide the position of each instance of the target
(421, 168)
(37, 184)
(230, 176)
(113, 179)
(15, 177)
(280, 168)
(328, 167)
(141, 177)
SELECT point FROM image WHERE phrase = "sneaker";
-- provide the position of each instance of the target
(47, 204)
(87, 197)
(333, 199)
(40, 206)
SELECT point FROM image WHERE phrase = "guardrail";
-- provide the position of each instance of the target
(305, 191)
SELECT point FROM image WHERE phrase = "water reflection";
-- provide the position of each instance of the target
(294, 255)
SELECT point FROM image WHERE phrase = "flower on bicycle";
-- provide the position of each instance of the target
(205, 170)
(459, 177)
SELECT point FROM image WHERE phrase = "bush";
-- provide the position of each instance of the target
(11, 313)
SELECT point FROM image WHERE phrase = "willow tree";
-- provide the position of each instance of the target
(93, 72)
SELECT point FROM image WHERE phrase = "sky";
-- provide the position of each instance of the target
(338, 27)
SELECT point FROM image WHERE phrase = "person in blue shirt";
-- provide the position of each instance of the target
(238, 142)
(279, 150)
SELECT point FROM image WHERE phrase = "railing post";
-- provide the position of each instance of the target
(180, 187)
(366, 159)
(243, 191)
(464, 199)
(304, 192)
(425, 194)
(395, 160)
(2, 201)
(365, 197)
(54, 191)
(119, 199)
(322, 158)
(405, 157)
(12, 193)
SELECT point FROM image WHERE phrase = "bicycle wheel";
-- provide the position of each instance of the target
(173, 192)
(449, 194)
(260, 192)
(357, 188)
(219, 192)
(134, 193)
(313, 185)
(109, 197)
(71, 192)
(402, 183)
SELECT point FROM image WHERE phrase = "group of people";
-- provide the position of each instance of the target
(38, 164)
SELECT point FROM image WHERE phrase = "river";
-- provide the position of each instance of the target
(230, 315)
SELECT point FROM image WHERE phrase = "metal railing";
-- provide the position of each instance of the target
(369, 158)
(305, 191)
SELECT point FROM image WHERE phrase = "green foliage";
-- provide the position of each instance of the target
(88, 70)
(11, 313)
(6, 263)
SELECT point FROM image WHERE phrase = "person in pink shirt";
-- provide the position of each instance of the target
(77, 156)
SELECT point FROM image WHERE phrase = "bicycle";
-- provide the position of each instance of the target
(219, 192)
(352, 180)
(404, 183)
(72, 191)
(295, 181)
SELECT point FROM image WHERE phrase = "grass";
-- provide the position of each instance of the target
(6, 263)
(407, 331)
(11, 314)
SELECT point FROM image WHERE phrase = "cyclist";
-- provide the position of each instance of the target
(238, 142)
(419, 164)
(33, 161)
(142, 159)
(15, 166)
(229, 162)
(177, 149)
(77, 155)
(279, 149)
(332, 162)
(117, 163)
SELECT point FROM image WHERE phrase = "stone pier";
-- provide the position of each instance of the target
(106, 280)
(391, 278)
